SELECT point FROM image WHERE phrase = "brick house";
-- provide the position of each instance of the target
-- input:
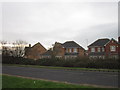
(103, 48)
(47, 54)
(119, 46)
(69, 49)
(35, 51)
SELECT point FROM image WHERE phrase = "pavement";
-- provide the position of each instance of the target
(99, 79)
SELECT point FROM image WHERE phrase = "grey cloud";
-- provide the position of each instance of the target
(50, 22)
(109, 30)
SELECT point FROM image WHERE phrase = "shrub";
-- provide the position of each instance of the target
(78, 62)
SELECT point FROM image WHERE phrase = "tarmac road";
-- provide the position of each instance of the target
(107, 79)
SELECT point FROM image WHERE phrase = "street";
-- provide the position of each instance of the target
(108, 79)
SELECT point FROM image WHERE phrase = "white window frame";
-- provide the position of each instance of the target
(92, 49)
(112, 48)
(98, 49)
(75, 50)
(103, 49)
(67, 50)
(70, 50)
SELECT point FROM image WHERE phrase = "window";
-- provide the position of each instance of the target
(112, 48)
(75, 50)
(67, 50)
(92, 49)
(70, 50)
(98, 49)
(103, 49)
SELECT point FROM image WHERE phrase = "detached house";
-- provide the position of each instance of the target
(69, 49)
(47, 54)
(119, 46)
(103, 48)
(35, 51)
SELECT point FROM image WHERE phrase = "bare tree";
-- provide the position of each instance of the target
(5, 50)
(19, 48)
(3, 42)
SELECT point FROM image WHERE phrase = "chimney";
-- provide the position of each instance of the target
(29, 45)
(56, 42)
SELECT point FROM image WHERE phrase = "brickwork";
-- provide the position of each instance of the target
(35, 51)
(108, 50)
(60, 50)
(81, 52)
(105, 49)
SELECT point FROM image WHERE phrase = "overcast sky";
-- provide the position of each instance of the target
(48, 22)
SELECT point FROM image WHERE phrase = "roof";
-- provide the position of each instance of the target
(27, 48)
(100, 42)
(71, 44)
(38, 44)
(115, 41)
(49, 52)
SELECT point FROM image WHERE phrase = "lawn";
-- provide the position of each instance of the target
(9, 81)
(22, 82)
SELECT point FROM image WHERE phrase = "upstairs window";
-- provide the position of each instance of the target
(103, 49)
(75, 50)
(112, 48)
(98, 49)
(67, 50)
(70, 50)
(92, 49)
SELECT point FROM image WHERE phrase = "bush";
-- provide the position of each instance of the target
(17, 60)
(78, 62)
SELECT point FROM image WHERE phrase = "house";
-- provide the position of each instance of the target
(69, 49)
(58, 50)
(35, 51)
(103, 48)
(47, 54)
(119, 46)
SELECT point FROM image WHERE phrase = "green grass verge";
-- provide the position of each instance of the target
(22, 82)
(69, 68)
(19, 82)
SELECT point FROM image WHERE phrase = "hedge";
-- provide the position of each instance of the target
(78, 62)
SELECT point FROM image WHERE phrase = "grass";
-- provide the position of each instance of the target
(9, 81)
(20, 82)
(69, 68)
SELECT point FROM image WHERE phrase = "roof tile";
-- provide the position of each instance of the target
(100, 42)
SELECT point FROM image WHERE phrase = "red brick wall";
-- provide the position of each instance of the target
(77, 49)
(89, 50)
(119, 46)
(81, 52)
(35, 51)
(58, 49)
(72, 49)
(107, 47)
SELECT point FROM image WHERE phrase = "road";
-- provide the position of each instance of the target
(107, 79)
